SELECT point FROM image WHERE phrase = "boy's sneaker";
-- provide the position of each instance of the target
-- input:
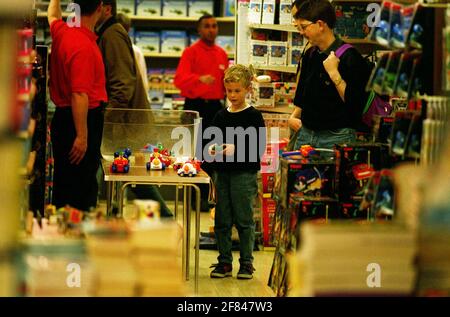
(221, 270)
(246, 271)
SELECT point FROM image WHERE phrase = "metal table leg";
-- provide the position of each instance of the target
(109, 187)
(197, 236)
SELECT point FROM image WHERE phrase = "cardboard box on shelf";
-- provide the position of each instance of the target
(174, 8)
(259, 53)
(173, 41)
(148, 41)
(263, 94)
(255, 11)
(285, 12)
(268, 14)
(126, 6)
(197, 8)
(278, 53)
(268, 209)
(148, 8)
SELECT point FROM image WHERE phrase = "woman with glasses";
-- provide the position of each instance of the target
(331, 91)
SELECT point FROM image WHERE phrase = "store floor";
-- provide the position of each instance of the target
(229, 286)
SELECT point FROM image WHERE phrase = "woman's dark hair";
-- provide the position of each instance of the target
(314, 10)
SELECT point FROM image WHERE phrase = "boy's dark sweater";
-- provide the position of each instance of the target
(248, 118)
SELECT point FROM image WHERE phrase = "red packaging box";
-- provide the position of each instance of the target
(268, 209)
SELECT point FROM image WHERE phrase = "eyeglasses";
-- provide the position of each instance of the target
(303, 27)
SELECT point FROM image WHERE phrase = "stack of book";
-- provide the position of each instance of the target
(136, 258)
(56, 267)
(156, 259)
(353, 259)
(109, 250)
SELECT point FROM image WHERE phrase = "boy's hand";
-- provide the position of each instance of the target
(229, 149)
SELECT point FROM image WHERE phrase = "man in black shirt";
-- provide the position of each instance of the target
(331, 91)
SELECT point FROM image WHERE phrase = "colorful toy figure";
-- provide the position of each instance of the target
(158, 160)
(121, 164)
(309, 182)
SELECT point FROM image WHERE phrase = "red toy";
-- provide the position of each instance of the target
(121, 164)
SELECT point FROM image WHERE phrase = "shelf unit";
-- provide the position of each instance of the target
(172, 55)
(284, 69)
(286, 110)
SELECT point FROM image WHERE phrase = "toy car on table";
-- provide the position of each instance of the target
(159, 160)
(121, 163)
(190, 168)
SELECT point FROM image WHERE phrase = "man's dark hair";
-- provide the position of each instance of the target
(314, 10)
(88, 7)
(204, 17)
(123, 19)
(113, 4)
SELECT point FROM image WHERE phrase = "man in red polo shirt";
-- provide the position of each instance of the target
(77, 87)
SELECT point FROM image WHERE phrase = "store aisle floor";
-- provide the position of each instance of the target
(229, 286)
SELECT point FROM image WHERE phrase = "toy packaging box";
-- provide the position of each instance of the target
(169, 77)
(229, 8)
(226, 42)
(173, 41)
(400, 130)
(278, 53)
(355, 164)
(255, 11)
(304, 177)
(197, 8)
(174, 8)
(126, 6)
(148, 8)
(351, 209)
(156, 78)
(295, 55)
(285, 12)
(382, 129)
(267, 183)
(284, 94)
(259, 53)
(308, 208)
(262, 95)
(268, 14)
(148, 41)
(268, 209)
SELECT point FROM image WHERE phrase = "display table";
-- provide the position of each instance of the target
(140, 176)
(133, 129)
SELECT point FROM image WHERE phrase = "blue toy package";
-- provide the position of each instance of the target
(148, 8)
(402, 79)
(173, 41)
(229, 8)
(397, 35)
(148, 41)
(127, 7)
(197, 8)
(375, 82)
(174, 8)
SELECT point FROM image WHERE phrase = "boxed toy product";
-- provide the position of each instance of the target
(268, 209)
(304, 177)
(148, 8)
(229, 8)
(355, 164)
(285, 12)
(284, 94)
(227, 43)
(197, 8)
(278, 53)
(259, 51)
(295, 39)
(147, 41)
(295, 55)
(268, 14)
(262, 94)
(126, 6)
(173, 41)
(169, 76)
(255, 11)
(174, 8)
(350, 210)
(156, 78)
